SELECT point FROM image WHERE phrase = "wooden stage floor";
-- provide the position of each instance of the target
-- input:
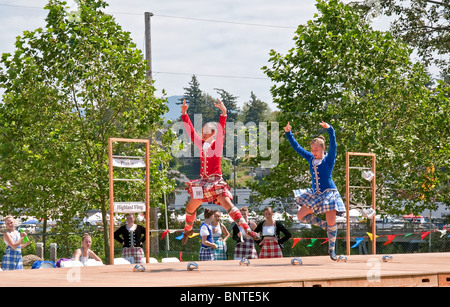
(416, 270)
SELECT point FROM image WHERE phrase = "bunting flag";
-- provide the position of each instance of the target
(424, 234)
(313, 241)
(326, 240)
(165, 232)
(358, 241)
(371, 236)
(191, 236)
(408, 234)
(389, 239)
(296, 240)
(443, 232)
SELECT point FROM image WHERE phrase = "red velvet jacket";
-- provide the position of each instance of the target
(211, 165)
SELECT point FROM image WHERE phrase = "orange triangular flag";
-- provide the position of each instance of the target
(296, 240)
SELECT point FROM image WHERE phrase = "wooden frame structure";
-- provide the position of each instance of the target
(111, 192)
(347, 191)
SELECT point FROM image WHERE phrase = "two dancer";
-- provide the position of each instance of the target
(211, 186)
(323, 196)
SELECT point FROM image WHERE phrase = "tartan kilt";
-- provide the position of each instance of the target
(220, 253)
(206, 254)
(329, 200)
(213, 186)
(271, 249)
(245, 249)
(137, 253)
(12, 260)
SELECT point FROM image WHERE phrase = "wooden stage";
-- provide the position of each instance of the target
(408, 270)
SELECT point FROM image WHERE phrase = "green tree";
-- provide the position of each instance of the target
(365, 85)
(255, 110)
(425, 25)
(230, 102)
(68, 88)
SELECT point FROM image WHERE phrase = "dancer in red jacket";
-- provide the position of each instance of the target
(211, 186)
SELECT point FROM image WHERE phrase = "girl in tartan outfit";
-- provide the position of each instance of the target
(132, 237)
(245, 245)
(208, 246)
(323, 196)
(271, 229)
(211, 186)
(12, 260)
(219, 230)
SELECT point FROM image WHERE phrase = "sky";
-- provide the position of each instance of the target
(225, 43)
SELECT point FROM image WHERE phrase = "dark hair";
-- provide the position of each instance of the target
(268, 208)
(208, 213)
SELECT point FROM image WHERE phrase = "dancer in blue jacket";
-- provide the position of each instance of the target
(323, 196)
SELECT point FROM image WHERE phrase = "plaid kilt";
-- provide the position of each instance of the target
(271, 249)
(206, 254)
(329, 200)
(245, 249)
(221, 252)
(12, 260)
(213, 186)
(135, 253)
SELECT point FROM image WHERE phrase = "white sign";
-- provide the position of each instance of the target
(129, 207)
(198, 192)
(130, 163)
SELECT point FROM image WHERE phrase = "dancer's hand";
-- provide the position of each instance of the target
(287, 128)
(221, 106)
(325, 125)
(184, 107)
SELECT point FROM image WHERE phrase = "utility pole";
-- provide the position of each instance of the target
(148, 45)
(154, 242)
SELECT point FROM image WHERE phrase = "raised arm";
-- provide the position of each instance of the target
(299, 149)
(332, 150)
(188, 125)
(220, 136)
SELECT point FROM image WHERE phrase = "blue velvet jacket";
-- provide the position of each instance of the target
(321, 173)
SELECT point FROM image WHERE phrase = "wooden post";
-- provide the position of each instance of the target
(347, 196)
(347, 199)
(111, 195)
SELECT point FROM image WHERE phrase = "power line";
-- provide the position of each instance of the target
(215, 21)
(175, 17)
(186, 18)
(207, 75)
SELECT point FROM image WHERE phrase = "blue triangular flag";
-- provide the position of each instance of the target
(358, 241)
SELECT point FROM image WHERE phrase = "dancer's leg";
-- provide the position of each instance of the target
(331, 232)
(306, 216)
(191, 212)
(235, 214)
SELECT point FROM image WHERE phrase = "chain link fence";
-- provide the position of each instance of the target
(305, 242)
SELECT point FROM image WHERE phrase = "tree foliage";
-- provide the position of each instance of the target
(365, 85)
(425, 25)
(68, 88)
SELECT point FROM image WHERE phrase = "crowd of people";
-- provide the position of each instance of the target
(214, 235)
